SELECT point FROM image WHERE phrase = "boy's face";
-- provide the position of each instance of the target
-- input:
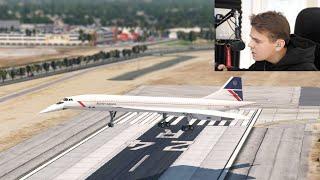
(261, 47)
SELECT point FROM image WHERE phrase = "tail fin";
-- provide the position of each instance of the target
(231, 90)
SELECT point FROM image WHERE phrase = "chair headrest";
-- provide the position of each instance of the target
(308, 24)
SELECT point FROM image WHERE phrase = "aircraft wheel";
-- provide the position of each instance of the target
(161, 124)
(167, 124)
(184, 128)
(110, 124)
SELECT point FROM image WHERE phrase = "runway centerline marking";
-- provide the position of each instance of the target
(139, 163)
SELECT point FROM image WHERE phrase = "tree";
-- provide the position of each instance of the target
(117, 53)
(65, 62)
(28, 68)
(46, 66)
(81, 35)
(182, 35)
(135, 49)
(53, 65)
(87, 59)
(144, 48)
(34, 32)
(192, 36)
(3, 74)
(22, 71)
(38, 68)
(28, 32)
(124, 52)
(12, 73)
(12, 28)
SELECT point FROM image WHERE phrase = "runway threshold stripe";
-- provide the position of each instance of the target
(152, 116)
(222, 122)
(122, 117)
(175, 122)
(207, 122)
(138, 164)
(138, 118)
(234, 122)
(155, 118)
(169, 118)
(192, 121)
(211, 123)
(202, 122)
(144, 118)
(127, 118)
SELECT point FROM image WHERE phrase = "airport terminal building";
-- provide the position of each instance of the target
(19, 39)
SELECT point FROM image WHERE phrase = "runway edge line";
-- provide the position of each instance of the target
(239, 145)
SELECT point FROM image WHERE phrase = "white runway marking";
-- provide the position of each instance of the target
(153, 115)
(211, 123)
(175, 122)
(139, 117)
(139, 163)
(222, 122)
(122, 117)
(63, 153)
(156, 118)
(233, 122)
(169, 118)
(127, 118)
(202, 122)
(241, 142)
(192, 121)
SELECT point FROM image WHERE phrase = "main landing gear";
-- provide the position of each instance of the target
(188, 127)
(163, 123)
(112, 115)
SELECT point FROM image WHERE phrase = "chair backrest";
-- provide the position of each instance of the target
(308, 26)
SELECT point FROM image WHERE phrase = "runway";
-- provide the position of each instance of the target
(137, 149)
(150, 154)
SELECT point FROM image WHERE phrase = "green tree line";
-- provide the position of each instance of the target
(158, 14)
(30, 70)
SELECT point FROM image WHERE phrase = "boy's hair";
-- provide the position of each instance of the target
(273, 23)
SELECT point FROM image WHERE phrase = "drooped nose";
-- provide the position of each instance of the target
(54, 107)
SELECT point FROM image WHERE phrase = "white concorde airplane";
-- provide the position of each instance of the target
(215, 105)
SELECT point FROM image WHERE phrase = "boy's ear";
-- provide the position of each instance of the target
(280, 43)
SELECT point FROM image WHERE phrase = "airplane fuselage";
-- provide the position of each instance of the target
(117, 102)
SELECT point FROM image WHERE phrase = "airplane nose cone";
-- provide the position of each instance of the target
(54, 107)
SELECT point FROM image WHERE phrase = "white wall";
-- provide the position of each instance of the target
(290, 8)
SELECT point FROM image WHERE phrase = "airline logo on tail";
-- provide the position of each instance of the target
(231, 90)
(234, 87)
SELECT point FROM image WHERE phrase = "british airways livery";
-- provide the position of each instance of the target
(228, 97)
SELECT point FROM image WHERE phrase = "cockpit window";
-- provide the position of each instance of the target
(66, 99)
(60, 102)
